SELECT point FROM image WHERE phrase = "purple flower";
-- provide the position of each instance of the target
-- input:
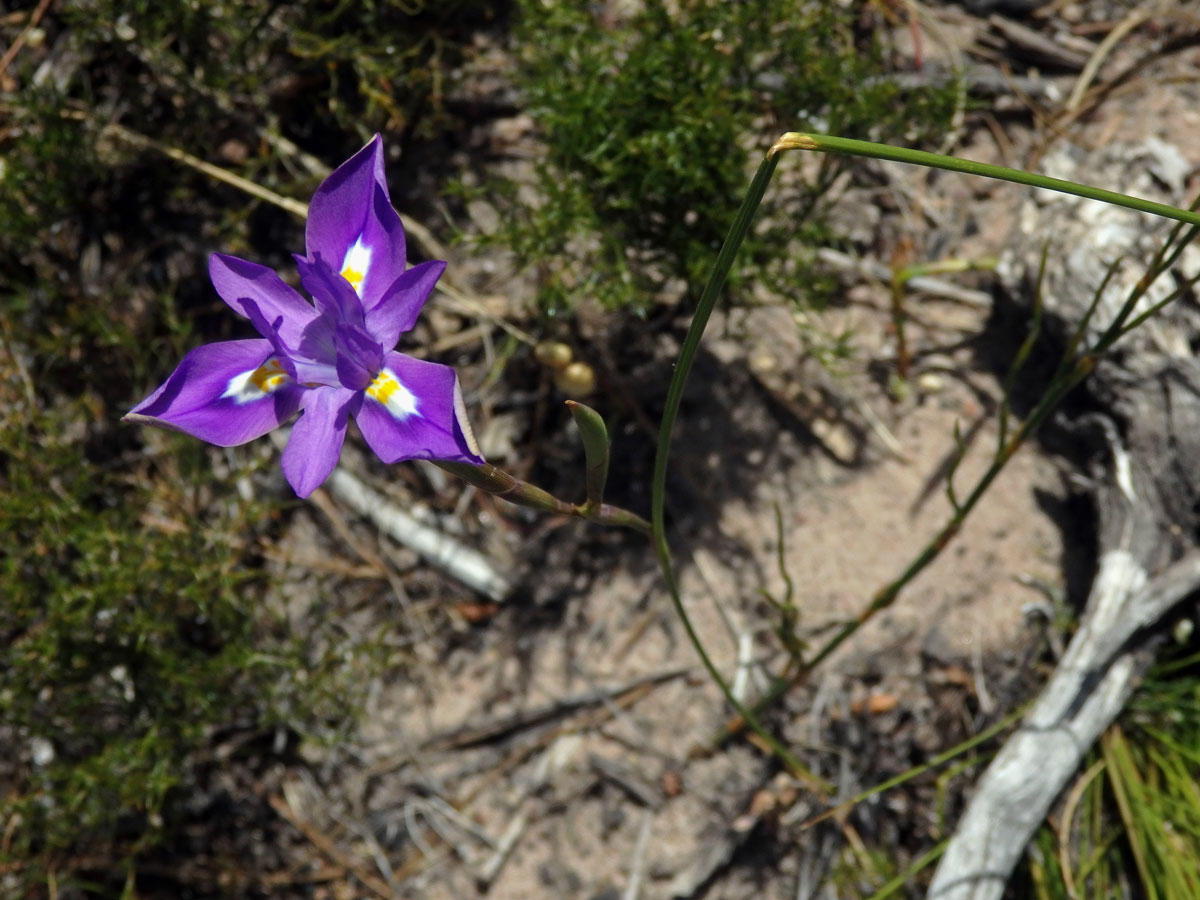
(331, 359)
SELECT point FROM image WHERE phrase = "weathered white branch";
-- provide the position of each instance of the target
(441, 551)
(1089, 688)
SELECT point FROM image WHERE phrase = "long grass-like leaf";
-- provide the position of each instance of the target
(1122, 778)
(922, 862)
(827, 144)
(687, 356)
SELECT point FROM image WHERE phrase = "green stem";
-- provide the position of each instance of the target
(499, 483)
(825, 143)
(495, 481)
(1076, 365)
(607, 514)
(887, 595)
(903, 879)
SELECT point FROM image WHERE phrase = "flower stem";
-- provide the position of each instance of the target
(499, 483)
(1078, 361)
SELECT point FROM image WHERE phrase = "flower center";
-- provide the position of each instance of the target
(268, 376)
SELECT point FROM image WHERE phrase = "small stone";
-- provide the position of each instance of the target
(42, 752)
(931, 383)
(234, 152)
(123, 30)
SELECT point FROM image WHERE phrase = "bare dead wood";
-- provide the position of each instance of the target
(639, 789)
(1089, 688)
(508, 841)
(440, 550)
(1038, 46)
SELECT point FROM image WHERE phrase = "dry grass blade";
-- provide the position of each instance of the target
(1067, 819)
(11, 53)
(471, 735)
(331, 850)
(1135, 18)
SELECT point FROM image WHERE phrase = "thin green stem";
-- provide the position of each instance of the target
(691, 343)
(906, 876)
(887, 595)
(499, 483)
(941, 759)
(825, 143)
(1023, 352)
(1074, 369)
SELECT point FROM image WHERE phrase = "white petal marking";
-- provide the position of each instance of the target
(395, 397)
(256, 383)
(356, 265)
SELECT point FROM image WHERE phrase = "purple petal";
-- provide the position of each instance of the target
(226, 393)
(316, 374)
(334, 296)
(414, 410)
(397, 311)
(317, 347)
(377, 256)
(358, 357)
(237, 280)
(316, 443)
(338, 210)
(270, 330)
(352, 208)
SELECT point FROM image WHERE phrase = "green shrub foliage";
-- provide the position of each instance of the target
(653, 124)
